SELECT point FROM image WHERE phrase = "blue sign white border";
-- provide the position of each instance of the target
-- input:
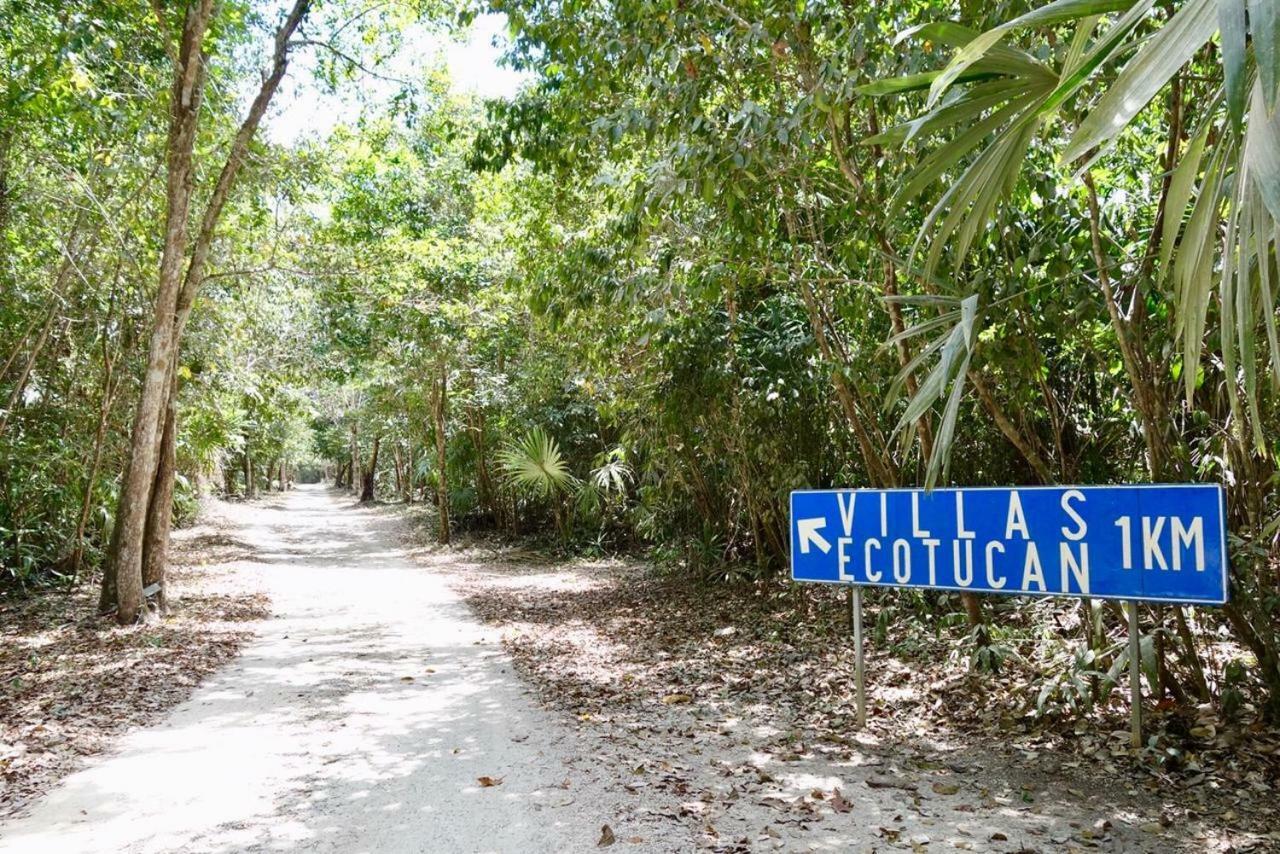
(1222, 530)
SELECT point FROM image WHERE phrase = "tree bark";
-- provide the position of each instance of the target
(124, 572)
(250, 487)
(369, 476)
(354, 464)
(439, 403)
(159, 502)
(160, 514)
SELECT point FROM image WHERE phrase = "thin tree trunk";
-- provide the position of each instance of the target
(250, 487)
(439, 403)
(483, 479)
(409, 473)
(160, 518)
(110, 386)
(368, 478)
(1135, 360)
(355, 457)
(1026, 445)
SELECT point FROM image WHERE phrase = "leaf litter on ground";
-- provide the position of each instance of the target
(72, 681)
(742, 697)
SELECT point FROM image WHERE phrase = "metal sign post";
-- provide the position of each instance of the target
(1150, 543)
(1129, 542)
(859, 668)
(1135, 678)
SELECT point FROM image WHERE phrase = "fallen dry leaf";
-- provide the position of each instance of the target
(890, 781)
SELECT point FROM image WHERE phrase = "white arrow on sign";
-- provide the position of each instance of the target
(809, 534)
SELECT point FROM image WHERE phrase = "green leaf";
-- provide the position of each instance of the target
(1080, 66)
(1144, 75)
(1231, 27)
(977, 100)
(1262, 150)
(535, 463)
(1181, 183)
(1056, 12)
(912, 83)
(1264, 26)
(945, 380)
(1195, 269)
(936, 163)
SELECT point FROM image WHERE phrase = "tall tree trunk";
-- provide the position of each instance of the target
(155, 556)
(158, 504)
(483, 478)
(410, 455)
(124, 570)
(110, 386)
(439, 403)
(250, 487)
(355, 457)
(369, 476)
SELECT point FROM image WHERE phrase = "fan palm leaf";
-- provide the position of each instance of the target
(533, 463)
(1223, 201)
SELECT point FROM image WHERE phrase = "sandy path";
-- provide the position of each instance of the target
(361, 719)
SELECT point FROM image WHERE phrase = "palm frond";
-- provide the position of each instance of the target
(534, 464)
(945, 381)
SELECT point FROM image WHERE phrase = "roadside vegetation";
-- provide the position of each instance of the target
(710, 253)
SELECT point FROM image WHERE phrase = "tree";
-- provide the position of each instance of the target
(146, 497)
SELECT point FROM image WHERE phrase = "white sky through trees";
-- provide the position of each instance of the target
(305, 108)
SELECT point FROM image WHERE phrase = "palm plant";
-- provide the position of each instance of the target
(609, 479)
(534, 465)
(994, 101)
(1215, 232)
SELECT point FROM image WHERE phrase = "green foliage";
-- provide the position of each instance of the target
(533, 464)
(718, 252)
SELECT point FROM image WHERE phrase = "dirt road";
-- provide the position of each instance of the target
(368, 715)
(374, 713)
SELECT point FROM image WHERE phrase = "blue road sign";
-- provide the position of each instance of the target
(1164, 543)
